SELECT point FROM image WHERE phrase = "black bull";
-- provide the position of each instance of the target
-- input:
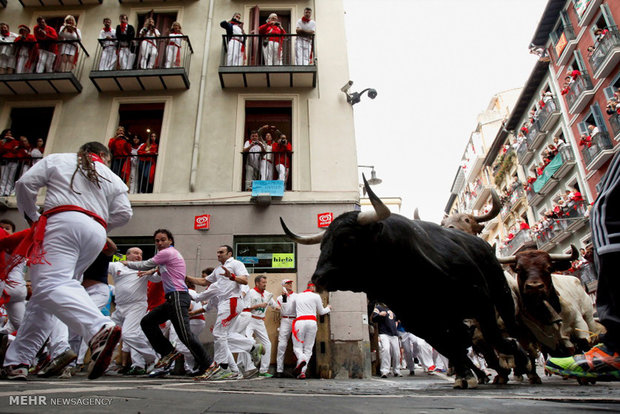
(432, 278)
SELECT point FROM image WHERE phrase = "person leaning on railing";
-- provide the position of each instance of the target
(7, 50)
(108, 47)
(125, 33)
(47, 39)
(173, 47)
(147, 163)
(272, 44)
(252, 148)
(235, 48)
(27, 50)
(305, 28)
(68, 52)
(148, 46)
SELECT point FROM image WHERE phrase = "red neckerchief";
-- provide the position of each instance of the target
(96, 158)
(308, 290)
(123, 27)
(5, 33)
(235, 22)
(303, 19)
(259, 291)
(107, 29)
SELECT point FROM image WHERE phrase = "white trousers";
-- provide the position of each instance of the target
(128, 316)
(284, 333)
(108, 58)
(7, 178)
(389, 352)
(303, 348)
(282, 172)
(303, 51)
(420, 349)
(16, 307)
(58, 339)
(100, 294)
(251, 174)
(196, 326)
(22, 58)
(227, 336)
(72, 242)
(256, 328)
(148, 55)
(244, 359)
(234, 57)
(266, 170)
(171, 56)
(272, 53)
(7, 61)
(46, 61)
(125, 58)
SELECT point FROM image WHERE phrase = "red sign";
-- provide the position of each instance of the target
(202, 222)
(560, 45)
(325, 219)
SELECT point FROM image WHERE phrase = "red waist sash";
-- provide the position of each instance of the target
(301, 318)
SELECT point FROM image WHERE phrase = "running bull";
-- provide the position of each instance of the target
(412, 265)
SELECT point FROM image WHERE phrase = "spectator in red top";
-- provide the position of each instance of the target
(47, 37)
(585, 141)
(573, 73)
(27, 50)
(600, 34)
(272, 44)
(523, 225)
(147, 163)
(282, 149)
(9, 147)
(120, 148)
(540, 169)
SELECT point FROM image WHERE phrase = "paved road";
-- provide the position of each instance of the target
(420, 394)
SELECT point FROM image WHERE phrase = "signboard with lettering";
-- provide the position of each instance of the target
(283, 260)
(202, 222)
(265, 253)
(274, 188)
(325, 219)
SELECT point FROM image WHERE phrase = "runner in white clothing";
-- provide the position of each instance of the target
(287, 314)
(83, 198)
(307, 305)
(131, 307)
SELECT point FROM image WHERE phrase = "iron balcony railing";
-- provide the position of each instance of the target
(266, 165)
(11, 170)
(588, 276)
(520, 239)
(600, 142)
(145, 53)
(610, 41)
(268, 50)
(548, 110)
(522, 151)
(614, 122)
(533, 133)
(569, 34)
(137, 171)
(581, 84)
(49, 56)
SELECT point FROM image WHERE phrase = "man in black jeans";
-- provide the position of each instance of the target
(602, 362)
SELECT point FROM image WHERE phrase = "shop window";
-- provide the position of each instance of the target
(266, 254)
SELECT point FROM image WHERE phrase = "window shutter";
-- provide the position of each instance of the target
(609, 92)
(583, 128)
(598, 117)
(609, 18)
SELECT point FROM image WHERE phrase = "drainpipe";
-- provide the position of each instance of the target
(203, 81)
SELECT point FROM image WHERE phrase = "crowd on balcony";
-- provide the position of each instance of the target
(547, 155)
(585, 141)
(267, 155)
(613, 105)
(568, 205)
(571, 77)
(17, 155)
(134, 159)
(45, 50)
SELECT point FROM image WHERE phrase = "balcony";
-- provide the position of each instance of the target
(588, 276)
(534, 136)
(43, 72)
(137, 171)
(12, 169)
(606, 55)
(548, 115)
(57, 3)
(598, 152)
(533, 197)
(266, 166)
(567, 157)
(524, 154)
(251, 68)
(152, 64)
(579, 93)
(565, 45)
(614, 122)
(575, 215)
(523, 239)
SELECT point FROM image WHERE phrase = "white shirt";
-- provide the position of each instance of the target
(228, 288)
(108, 35)
(7, 49)
(129, 288)
(110, 202)
(307, 27)
(254, 298)
(287, 308)
(309, 303)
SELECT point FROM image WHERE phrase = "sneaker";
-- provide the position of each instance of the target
(223, 374)
(16, 372)
(383, 375)
(167, 360)
(58, 364)
(257, 352)
(67, 373)
(397, 374)
(159, 372)
(250, 373)
(431, 368)
(301, 376)
(43, 361)
(265, 375)
(599, 363)
(298, 368)
(101, 348)
(136, 371)
(213, 369)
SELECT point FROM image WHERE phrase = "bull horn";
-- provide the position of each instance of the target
(497, 206)
(380, 212)
(573, 255)
(416, 215)
(507, 260)
(315, 239)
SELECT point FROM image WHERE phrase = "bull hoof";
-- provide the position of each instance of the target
(500, 380)
(534, 379)
(469, 382)
(507, 361)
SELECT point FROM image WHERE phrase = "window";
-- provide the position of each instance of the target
(273, 254)
(58, 21)
(259, 17)
(163, 21)
(22, 122)
(134, 158)
(272, 159)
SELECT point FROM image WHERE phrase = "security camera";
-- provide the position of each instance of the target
(347, 86)
(372, 94)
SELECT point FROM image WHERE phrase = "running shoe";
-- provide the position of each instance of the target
(257, 352)
(136, 371)
(58, 364)
(159, 372)
(167, 360)
(15, 372)
(301, 376)
(599, 363)
(250, 373)
(265, 375)
(223, 374)
(67, 373)
(298, 368)
(101, 348)
(213, 369)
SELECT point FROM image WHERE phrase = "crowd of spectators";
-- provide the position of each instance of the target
(613, 104)
(134, 159)
(17, 155)
(267, 156)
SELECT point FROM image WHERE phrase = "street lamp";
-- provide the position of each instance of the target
(373, 177)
